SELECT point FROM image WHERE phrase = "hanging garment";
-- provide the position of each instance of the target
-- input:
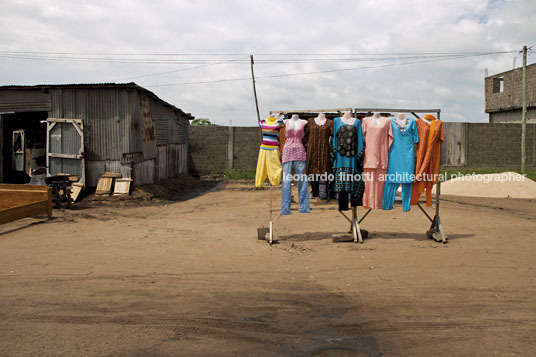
(294, 153)
(293, 150)
(270, 130)
(318, 151)
(286, 187)
(378, 136)
(389, 194)
(315, 188)
(268, 163)
(374, 185)
(342, 197)
(428, 155)
(401, 163)
(347, 156)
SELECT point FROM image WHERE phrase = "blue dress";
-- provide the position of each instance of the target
(347, 154)
(401, 169)
(401, 155)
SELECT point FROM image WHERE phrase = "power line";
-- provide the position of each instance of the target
(316, 72)
(287, 58)
(178, 70)
(256, 54)
(276, 62)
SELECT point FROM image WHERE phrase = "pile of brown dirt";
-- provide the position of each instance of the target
(500, 185)
(175, 188)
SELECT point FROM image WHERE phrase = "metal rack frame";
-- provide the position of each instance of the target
(436, 230)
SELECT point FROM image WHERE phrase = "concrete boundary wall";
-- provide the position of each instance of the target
(216, 148)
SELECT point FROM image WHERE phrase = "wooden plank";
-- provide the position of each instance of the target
(49, 129)
(360, 110)
(65, 156)
(122, 186)
(110, 174)
(312, 110)
(19, 198)
(16, 195)
(63, 120)
(104, 186)
(77, 188)
(28, 210)
(14, 187)
(49, 202)
(82, 152)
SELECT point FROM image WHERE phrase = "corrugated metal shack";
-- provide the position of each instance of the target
(85, 129)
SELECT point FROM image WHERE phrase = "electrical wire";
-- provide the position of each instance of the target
(178, 70)
(271, 62)
(287, 58)
(315, 72)
(256, 54)
(203, 62)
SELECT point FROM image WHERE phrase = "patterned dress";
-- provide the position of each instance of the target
(294, 150)
(347, 154)
(318, 147)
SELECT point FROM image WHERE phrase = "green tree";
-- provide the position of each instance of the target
(201, 121)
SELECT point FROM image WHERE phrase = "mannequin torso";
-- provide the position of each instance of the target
(376, 118)
(295, 122)
(320, 119)
(347, 118)
(401, 120)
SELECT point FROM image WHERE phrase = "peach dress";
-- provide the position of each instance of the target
(378, 139)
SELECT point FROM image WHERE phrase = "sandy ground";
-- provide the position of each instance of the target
(191, 278)
(500, 185)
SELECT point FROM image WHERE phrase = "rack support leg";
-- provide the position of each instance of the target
(271, 236)
(436, 231)
(355, 226)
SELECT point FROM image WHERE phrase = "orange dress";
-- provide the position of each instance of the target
(428, 155)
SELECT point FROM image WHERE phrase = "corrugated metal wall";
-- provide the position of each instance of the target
(106, 114)
(24, 100)
(163, 118)
(94, 168)
(147, 132)
(171, 139)
(172, 160)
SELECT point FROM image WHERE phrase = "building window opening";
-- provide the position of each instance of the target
(498, 84)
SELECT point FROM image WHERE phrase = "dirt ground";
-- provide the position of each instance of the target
(190, 277)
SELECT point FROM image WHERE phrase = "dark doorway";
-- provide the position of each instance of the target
(23, 145)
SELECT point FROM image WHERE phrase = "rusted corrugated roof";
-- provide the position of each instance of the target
(130, 85)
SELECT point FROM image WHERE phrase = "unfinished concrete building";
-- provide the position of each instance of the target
(504, 92)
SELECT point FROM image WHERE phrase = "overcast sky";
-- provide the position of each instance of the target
(228, 31)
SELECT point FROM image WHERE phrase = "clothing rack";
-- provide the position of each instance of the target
(436, 231)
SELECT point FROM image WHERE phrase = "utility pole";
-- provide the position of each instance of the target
(524, 110)
(255, 90)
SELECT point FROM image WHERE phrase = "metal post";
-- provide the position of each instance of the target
(271, 236)
(524, 111)
(355, 226)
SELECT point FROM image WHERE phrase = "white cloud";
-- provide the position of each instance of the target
(289, 27)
